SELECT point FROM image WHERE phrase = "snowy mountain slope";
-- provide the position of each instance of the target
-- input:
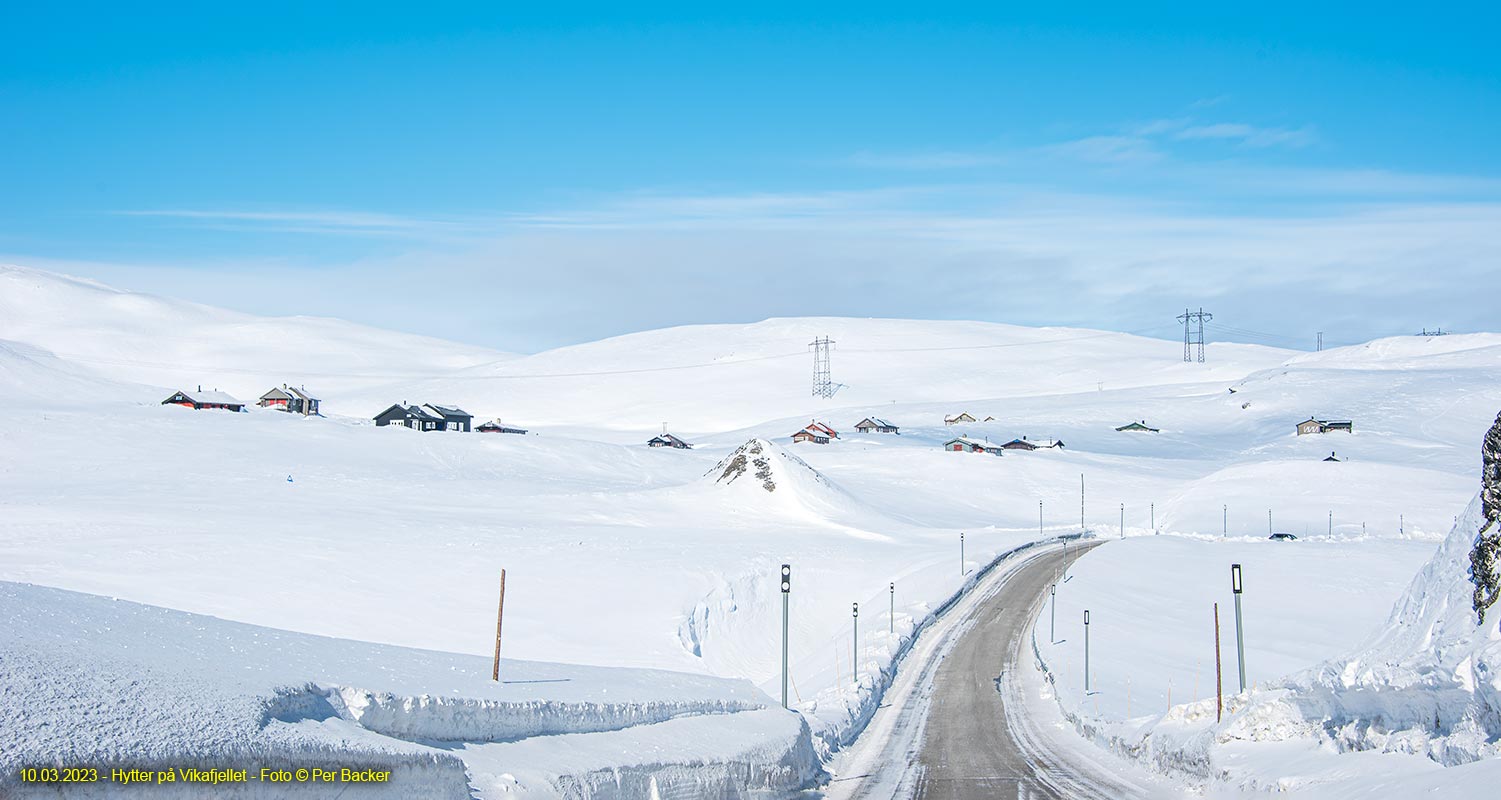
(32, 375)
(162, 342)
(164, 689)
(708, 378)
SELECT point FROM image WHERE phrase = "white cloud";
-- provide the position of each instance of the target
(1249, 135)
(1114, 150)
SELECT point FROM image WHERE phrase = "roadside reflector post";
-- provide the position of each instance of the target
(855, 639)
(1053, 619)
(786, 589)
(1240, 640)
(891, 616)
(1086, 651)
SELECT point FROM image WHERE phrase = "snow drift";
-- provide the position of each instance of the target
(1430, 682)
(87, 681)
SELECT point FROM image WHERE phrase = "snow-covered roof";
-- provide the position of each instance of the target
(496, 423)
(212, 396)
(418, 412)
(449, 411)
(876, 421)
(287, 393)
(973, 442)
(1036, 442)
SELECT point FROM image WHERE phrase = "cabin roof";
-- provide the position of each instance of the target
(211, 396)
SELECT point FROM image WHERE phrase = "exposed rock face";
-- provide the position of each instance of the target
(1485, 558)
(752, 457)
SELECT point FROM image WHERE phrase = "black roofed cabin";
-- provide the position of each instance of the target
(292, 399)
(454, 418)
(1032, 444)
(875, 425)
(201, 399)
(408, 417)
(668, 440)
(496, 427)
(1138, 427)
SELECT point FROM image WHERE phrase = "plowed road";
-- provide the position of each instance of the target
(966, 717)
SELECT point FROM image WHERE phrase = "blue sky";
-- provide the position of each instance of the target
(525, 181)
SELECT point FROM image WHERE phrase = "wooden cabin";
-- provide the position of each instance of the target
(811, 434)
(1032, 444)
(1138, 427)
(454, 418)
(1312, 425)
(668, 440)
(815, 425)
(204, 399)
(1333, 457)
(496, 427)
(410, 417)
(292, 399)
(964, 444)
(875, 425)
(960, 417)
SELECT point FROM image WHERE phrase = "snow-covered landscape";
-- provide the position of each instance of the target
(209, 588)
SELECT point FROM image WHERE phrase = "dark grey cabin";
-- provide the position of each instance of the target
(454, 418)
(410, 417)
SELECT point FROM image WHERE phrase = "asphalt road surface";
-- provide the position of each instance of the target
(969, 749)
(967, 716)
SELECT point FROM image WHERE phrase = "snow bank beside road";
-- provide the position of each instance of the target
(1430, 682)
(1423, 693)
(87, 681)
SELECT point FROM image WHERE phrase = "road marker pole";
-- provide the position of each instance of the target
(1240, 641)
(855, 639)
(1086, 651)
(786, 589)
(500, 610)
(1053, 619)
(1219, 692)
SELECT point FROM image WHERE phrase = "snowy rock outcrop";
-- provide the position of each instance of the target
(1485, 558)
(759, 468)
(751, 460)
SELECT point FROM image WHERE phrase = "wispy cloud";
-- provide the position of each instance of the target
(1249, 135)
(1113, 150)
(356, 223)
(1137, 144)
(938, 159)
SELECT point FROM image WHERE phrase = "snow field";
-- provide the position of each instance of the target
(621, 555)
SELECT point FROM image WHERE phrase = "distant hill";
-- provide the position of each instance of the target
(163, 342)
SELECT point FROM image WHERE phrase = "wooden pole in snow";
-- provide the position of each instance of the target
(500, 611)
(1219, 702)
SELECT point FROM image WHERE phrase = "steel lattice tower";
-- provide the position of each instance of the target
(823, 382)
(1193, 334)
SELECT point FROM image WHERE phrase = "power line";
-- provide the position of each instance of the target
(1192, 336)
(823, 383)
